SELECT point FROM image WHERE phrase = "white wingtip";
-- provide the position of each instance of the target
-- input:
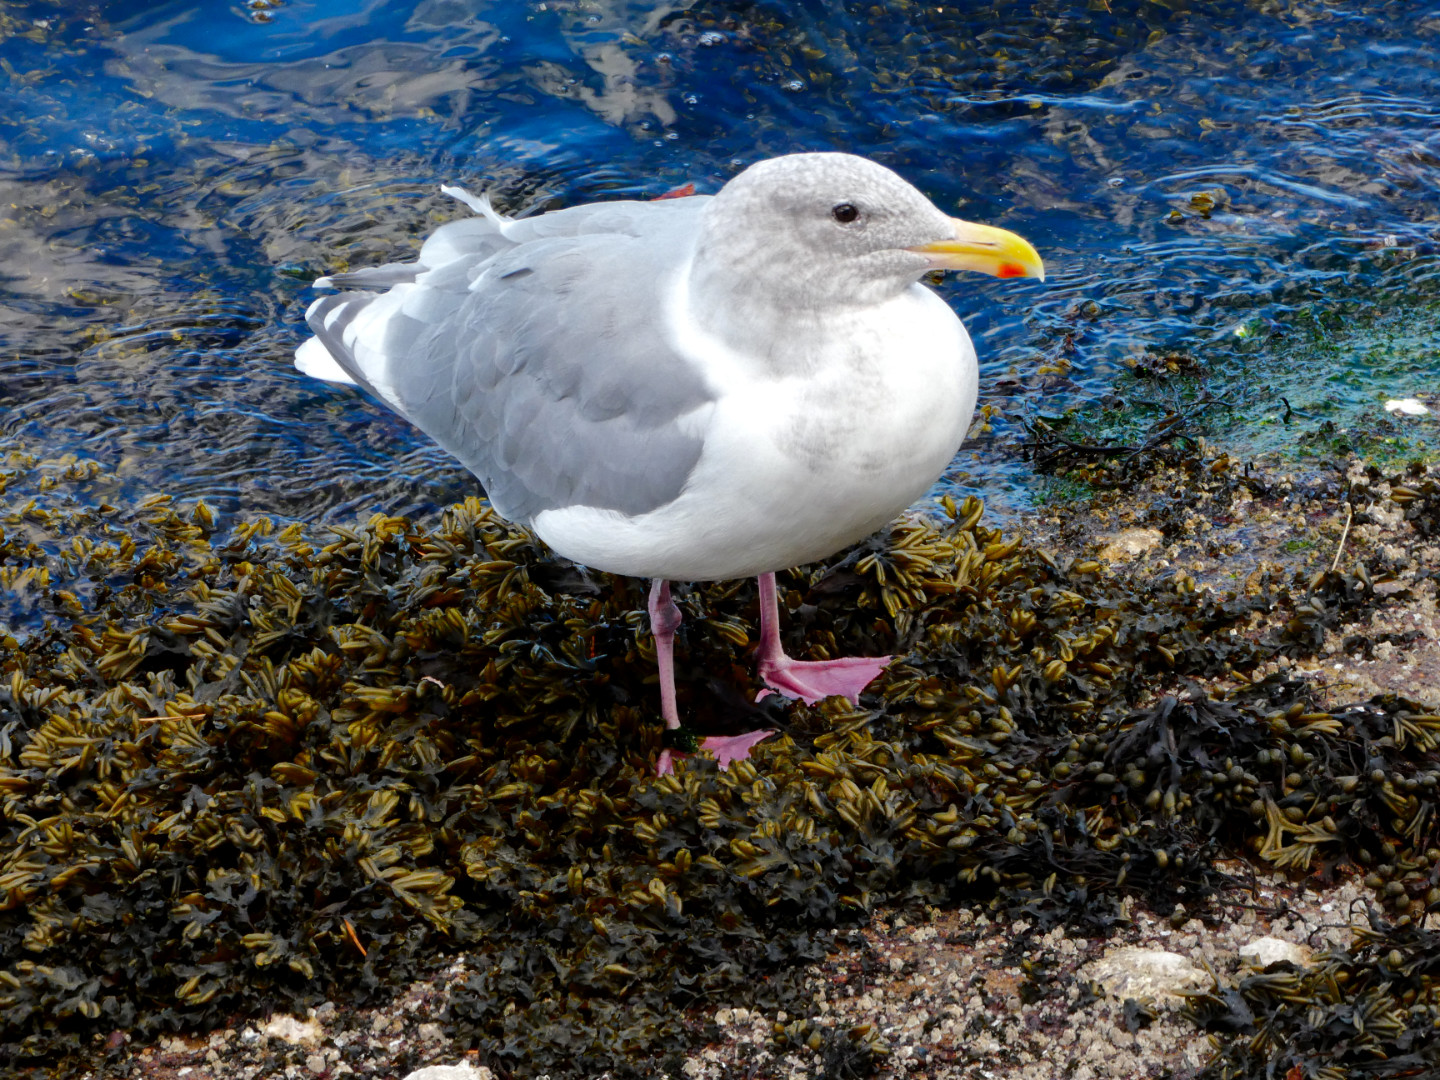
(322, 283)
(313, 359)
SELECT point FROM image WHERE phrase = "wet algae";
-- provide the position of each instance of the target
(261, 767)
(1311, 387)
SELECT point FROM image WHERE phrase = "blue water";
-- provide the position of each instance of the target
(172, 175)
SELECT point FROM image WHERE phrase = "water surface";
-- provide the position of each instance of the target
(173, 174)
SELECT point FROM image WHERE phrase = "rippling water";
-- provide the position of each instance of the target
(173, 174)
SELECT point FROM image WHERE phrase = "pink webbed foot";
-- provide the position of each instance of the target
(732, 748)
(815, 680)
(664, 620)
(726, 749)
(808, 680)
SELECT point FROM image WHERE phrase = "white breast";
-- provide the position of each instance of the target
(799, 466)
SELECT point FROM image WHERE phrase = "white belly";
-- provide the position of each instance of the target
(796, 468)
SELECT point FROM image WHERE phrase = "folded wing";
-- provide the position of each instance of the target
(529, 349)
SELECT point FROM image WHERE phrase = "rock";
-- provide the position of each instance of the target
(1140, 973)
(1264, 951)
(1126, 545)
(463, 1071)
(1407, 407)
(289, 1029)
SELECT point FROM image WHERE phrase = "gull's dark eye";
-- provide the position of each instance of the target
(845, 213)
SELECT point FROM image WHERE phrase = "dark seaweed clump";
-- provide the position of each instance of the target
(1421, 499)
(1365, 1011)
(259, 771)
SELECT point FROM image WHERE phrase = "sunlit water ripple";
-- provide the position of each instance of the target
(172, 175)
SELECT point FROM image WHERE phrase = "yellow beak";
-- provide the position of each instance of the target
(993, 251)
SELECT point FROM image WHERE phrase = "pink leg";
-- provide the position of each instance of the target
(809, 680)
(664, 621)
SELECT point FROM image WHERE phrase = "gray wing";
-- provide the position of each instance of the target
(541, 366)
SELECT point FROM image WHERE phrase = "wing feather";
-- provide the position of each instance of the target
(534, 351)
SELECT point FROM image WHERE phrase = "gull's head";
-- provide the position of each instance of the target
(819, 231)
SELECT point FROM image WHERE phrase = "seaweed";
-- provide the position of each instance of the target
(256, 770)
(1369, 1010)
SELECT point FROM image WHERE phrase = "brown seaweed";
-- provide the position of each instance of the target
(253, 771)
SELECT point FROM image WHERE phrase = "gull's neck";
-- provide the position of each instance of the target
(773, 336)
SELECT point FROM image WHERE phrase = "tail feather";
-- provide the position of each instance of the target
(326, 355)
(315, 360)
(356, 331)
(371, 277)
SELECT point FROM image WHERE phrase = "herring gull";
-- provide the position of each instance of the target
(689, 389)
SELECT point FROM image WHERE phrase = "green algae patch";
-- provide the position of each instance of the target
(259, 770)
(1313, 390)
(1327, 379)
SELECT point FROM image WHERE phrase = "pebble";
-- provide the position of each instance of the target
(1265, 951)
(296, 1032)
(463, 1071)
(1128, 544)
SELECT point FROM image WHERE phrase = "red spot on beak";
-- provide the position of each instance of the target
(1011, 270)
(677, 193)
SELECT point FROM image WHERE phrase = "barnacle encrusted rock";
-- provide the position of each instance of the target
(1133, 972)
